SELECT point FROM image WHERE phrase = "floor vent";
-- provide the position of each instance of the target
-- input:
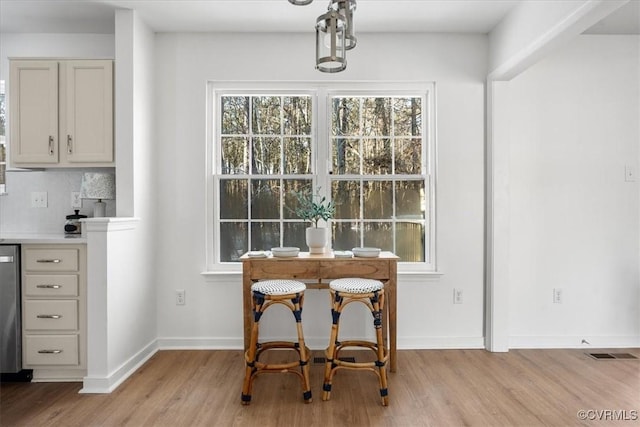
(344, 359)
(611, 356)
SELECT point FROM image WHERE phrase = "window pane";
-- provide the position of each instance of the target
(266, 155)
(345, 116)
(297, 156)
(290, 200)
(346, 156)
(265, 235)
(294, 235)
(378, 235)
(346, 197)
(297, 115)
(376, 116)
(408, 156)
(266, 115)
(410, 199)
(235, 115)
(376, 156)
(407, 116)
(233, 199)
(235, 155)
(346, 235)
(410, 241)
(378, 199)
(265, 199)
(233, 241)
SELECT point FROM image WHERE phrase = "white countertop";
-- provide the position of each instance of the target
(16, 238)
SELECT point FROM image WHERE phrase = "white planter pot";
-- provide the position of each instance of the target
(317, 239)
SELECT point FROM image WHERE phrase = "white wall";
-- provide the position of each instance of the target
(574, 125)
(426, 314)
(16, 213)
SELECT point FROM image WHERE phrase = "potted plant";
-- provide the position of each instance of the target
(313, 208)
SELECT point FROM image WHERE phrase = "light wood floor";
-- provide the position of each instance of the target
(431, 388)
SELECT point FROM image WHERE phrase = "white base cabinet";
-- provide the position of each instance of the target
(54, 318)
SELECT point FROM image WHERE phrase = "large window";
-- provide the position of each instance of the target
(369, 150)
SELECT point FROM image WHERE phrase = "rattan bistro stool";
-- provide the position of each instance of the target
(289, 293)
(371, 293)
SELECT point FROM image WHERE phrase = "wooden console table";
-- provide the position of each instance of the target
(321, 269)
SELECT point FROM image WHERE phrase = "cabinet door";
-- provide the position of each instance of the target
(87, 116)
(34, 112)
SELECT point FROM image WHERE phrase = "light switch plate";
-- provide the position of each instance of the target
(38, 199)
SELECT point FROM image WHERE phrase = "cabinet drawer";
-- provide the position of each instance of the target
(51, 350)
(292, 269)
(372, 269)
(51, 315)
(53, 259)
(51, 285)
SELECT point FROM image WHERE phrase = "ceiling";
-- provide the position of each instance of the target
(444, 16)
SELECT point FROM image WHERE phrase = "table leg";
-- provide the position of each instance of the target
(392, 301)
(246, 302)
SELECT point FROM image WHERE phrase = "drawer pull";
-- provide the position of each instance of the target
(54, 261)
(49, 316)
(69, 144)
(49, 351)
(51, 152)
(48, 286)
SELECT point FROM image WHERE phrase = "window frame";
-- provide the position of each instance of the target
(321, 93)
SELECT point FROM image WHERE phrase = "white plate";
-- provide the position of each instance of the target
(366, 252)
(342, 254)
(257, 254)
(285, 252)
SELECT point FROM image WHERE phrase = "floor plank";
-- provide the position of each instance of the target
(431, 388)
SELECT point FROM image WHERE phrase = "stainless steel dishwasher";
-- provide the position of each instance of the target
(10, 316)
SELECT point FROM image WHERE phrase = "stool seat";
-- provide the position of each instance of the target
(278, 287)
(354, 285)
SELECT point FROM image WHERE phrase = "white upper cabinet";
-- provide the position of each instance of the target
(61, 113)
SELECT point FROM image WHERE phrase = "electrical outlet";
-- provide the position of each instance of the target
(557, 296)
(457, 296)
(38, 199)
(180, 299)
(76, 201)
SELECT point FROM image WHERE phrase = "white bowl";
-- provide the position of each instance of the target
(366, 252)
(285, 252)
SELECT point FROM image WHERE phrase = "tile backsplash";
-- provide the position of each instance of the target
(16, 213)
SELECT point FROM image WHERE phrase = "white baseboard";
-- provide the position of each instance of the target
(93, 384)
(591, 342)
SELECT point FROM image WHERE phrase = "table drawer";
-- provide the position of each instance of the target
(291, 269)
(371, 269)
(48, 285)
(51, 315)
(53, 259)
(51, 350)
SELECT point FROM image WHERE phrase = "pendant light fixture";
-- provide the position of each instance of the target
(331, 52)
(334, 34)
(346, 9)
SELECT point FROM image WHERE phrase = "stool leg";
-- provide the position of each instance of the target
(257, 303)
(377, 303)
(304, 355)
(329, 366)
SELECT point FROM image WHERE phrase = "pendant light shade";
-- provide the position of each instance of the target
(300, 2)
(346, 9)
(331, 42)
